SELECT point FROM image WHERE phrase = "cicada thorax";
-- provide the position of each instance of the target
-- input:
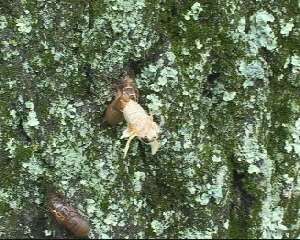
(125, 89)
(68, 216)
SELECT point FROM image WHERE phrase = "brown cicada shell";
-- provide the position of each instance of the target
(125, 88)
(113, 115)
(68, 216)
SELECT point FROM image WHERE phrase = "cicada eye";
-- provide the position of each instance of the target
(145, 139)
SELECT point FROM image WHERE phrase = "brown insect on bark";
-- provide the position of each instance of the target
(126, 87)
(139, 123)
(113, 115)
(67, 216)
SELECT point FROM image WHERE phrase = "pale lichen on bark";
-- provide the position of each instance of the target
(223, 77)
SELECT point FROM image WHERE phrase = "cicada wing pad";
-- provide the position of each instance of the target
(155, 145)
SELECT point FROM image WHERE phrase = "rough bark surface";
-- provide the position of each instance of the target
(222, 76)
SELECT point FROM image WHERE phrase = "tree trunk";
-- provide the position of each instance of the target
(222, 77)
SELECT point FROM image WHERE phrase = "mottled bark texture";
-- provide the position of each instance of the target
(221, 75)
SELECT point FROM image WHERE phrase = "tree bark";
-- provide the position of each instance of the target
(222, 77)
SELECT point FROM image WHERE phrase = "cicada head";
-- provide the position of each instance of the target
(150, 135)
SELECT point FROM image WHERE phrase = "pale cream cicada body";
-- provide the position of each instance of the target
(140, 125)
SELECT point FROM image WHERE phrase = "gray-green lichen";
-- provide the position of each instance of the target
(295, 143)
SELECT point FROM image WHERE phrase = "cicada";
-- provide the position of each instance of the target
(139, 123)
(126, 87)
(68, 216)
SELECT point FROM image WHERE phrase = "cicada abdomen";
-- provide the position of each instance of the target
(68, 216)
